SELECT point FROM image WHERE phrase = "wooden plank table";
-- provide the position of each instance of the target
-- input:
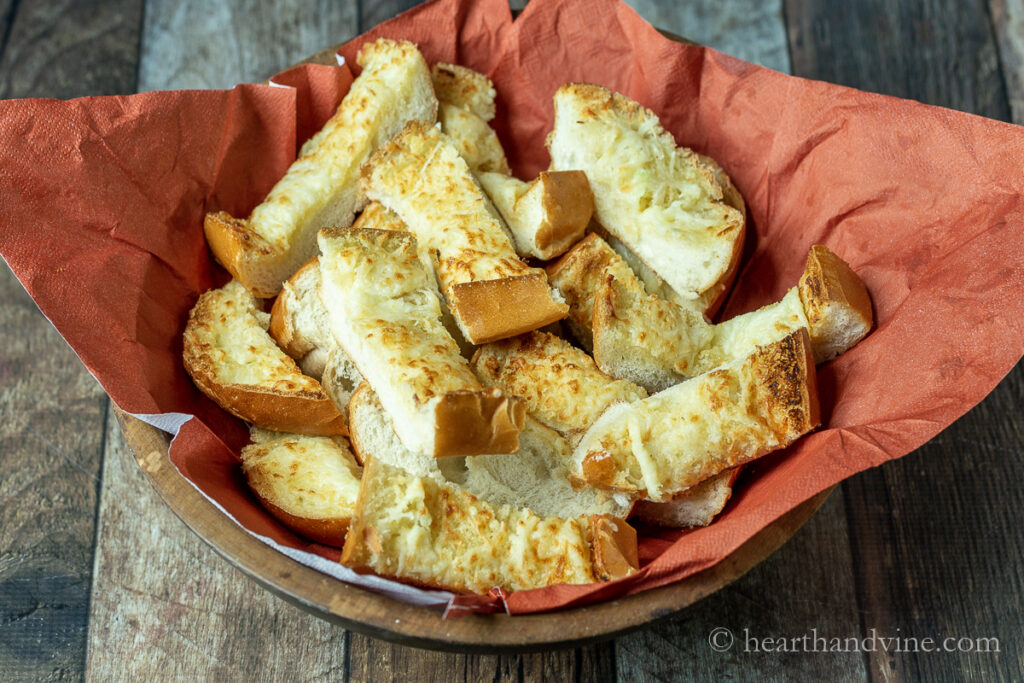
(98, 579)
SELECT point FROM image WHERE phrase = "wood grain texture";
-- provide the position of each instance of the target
(197, 44)
(165, 605)
(68, 49)
(753, 31)
(936, 550)
(51, 438)
(807, 584)
(373, 12)
(938, 52)
(1008, 24)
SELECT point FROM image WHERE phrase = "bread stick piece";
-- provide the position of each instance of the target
(385, 314)
(836, 302)
(421, 177)
(309, 483)
(319, 189)
(233, 360)
(546, 216)
(658, 198)
(664, 444)
(465, 88)
(418, 530)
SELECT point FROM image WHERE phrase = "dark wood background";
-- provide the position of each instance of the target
(98, 579)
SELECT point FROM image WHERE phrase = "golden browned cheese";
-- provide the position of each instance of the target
(464, 87)
(580, 274)
(426, 532)
(233, 360)
(310, 483)
(421, 177)
(658, 198)
(561, 385)
(664, 444)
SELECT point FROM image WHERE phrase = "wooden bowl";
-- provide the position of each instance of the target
(383, 617)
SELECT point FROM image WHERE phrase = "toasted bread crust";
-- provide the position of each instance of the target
(475, 422)
(236, 247)
(568, 204)
(328, 531)
(495, 309)
(836, 302)
(614, 547)
(376, 216)
(294, 403)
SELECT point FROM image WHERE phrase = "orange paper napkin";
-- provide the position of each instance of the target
(103, 201)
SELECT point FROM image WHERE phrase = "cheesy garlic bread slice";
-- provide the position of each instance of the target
(427, 532)
(233, 360)
(320, 187)
(667, 443)
(660, 199)
(385, 313)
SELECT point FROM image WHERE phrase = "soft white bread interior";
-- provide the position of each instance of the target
(320, 187)
(697, 506)
(373, 436)
(660, 446)
(465, 88)
(309, 483)
(836, 302)
(298, 321)
(421, 177)
(560, 384)
(580, 274)
(233, 360)
(537, 478)
(426, 532)
(385, 313)
(545, 216)
(658, 198)
(563, 388)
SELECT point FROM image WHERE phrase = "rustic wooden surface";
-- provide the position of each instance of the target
(98, 579)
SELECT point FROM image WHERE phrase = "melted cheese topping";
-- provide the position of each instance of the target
(654, 196)
(306, 476)
(440, 534)
(421, 176)
(562, 386)
(375, 109)
(240, 350)
(679, 437)
(740, 336)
